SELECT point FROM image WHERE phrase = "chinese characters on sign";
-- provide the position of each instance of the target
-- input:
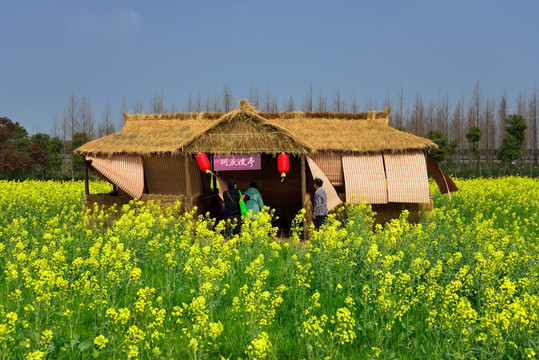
(236, 162)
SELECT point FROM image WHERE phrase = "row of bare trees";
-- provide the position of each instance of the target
(453, 118)
(78, 117)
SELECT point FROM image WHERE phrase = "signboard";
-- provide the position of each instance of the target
(237, 162)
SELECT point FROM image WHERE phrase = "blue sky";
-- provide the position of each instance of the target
(120, 51)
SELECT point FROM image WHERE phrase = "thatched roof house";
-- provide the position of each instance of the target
(360, 155)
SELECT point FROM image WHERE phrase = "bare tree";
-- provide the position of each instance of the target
(398, 113)
(193, 104)
(339, 105)
(70, 123)
(457, 128)
(86, 117)
(214, 104)
(370, 105)
(417, 118)
(290, 105)
(308, 101)
(430, 117)
(386, 103)
(138, 107)
(227, 99)
(173, 108)
(490, 131)
(157, 103)
(322, 105)
(55, 130)
(502, 114)
(198, 104)
(210, 104)
(475, 107)
(269, 103)
(442, 115)
(521, 103)
(354, 104)
(189, 107)
(106, 126)
(254, 96)
(532, 118)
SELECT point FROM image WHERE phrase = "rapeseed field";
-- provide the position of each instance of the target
(461, 284)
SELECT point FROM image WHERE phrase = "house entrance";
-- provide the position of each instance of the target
(283, 196)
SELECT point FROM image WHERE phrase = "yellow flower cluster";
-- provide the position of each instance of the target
(138, 282)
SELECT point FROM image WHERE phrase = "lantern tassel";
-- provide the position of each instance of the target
(283, 175)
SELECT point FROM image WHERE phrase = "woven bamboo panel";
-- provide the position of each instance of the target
(165, 175)
(407, 180)
(331, 164)
(365, 179)
(333, 198)
(124, 171)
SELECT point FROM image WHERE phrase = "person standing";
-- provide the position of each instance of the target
(320, 206)
(255, 203)
(232, 211)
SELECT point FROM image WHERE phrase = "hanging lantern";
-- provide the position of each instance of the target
(283, 165)
(203, 162)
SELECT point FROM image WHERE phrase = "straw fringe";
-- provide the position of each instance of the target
(245, 130)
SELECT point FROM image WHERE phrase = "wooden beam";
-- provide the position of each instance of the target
(188, 188)
(86, 185)
(303, 178)
(303, 191)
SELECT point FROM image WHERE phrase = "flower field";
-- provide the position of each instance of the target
(462, 284)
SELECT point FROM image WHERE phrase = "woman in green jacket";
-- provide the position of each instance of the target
(255, 203)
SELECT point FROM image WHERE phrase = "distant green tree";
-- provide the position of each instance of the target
(515, 132)
(445, 147)
(18, 138)
(51, 166)
(55, 158)
(473, 136)
(13, 149)
(516, 126)
(78, 140)
(41, 139)
(39, 157)
(442, 141)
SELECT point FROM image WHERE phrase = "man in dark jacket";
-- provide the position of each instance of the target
(231, 198)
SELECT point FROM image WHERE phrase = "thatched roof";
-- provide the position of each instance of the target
(247, 131)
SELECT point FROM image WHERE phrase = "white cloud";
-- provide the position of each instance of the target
(119, 22)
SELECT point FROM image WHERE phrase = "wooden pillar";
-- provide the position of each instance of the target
(204, 194)
(86, 185)
(303, 178)
(303, 191)
(188, 188)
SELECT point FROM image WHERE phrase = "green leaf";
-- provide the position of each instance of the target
(85, 345)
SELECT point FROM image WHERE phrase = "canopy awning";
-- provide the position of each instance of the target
(124, 171)
(365, 178)
(407, 179)
(333, 198)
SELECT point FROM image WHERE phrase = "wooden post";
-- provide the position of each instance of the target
(86, 185)
(303, 191)
(188, 190)
(204, 194)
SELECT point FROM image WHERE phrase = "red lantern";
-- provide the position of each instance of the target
(203, 162)
(283, 165)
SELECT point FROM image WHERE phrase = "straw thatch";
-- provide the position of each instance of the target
(243, 131)
(247, 131)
